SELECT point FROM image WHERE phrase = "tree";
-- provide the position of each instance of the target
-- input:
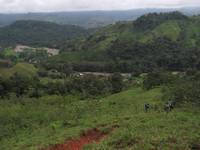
(5, 87)
(21, 83)
(117, 82)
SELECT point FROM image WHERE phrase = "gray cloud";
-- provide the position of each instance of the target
(70, 5)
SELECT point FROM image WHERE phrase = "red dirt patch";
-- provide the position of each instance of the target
(91, 136)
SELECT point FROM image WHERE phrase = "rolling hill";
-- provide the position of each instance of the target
(38, 33)
(155, 40)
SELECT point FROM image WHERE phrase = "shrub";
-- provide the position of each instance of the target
(117, 82)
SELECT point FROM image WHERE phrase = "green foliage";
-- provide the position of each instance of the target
(86, 86)
(33, 56)
(9, 53)
(52, 82)
(158, 78)
(21, 83)
(5, 86)
(24, 68)
(91, 85)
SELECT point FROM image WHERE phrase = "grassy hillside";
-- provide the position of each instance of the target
(33, 124)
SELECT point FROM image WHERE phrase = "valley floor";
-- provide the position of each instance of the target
(31, 124)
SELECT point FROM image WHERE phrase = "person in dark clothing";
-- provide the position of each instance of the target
(169, 106)
(146, 107)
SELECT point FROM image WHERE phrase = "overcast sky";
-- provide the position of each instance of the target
(78, 5)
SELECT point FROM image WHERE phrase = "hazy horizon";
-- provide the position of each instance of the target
(24, 6)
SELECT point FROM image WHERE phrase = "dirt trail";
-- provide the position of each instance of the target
(91, 136)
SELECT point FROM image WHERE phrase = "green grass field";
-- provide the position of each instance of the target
(33, 124)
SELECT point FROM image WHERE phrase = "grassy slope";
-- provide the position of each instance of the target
(169, 29)
(51, 120)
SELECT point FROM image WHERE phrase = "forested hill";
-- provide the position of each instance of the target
(38, 33)
(174, 27)
(156, 40)
(164, 40)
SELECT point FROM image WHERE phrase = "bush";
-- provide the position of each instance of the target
(117, 82)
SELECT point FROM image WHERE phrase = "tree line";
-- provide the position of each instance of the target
(20, 84)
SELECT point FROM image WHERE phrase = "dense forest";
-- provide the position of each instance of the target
(38, 33)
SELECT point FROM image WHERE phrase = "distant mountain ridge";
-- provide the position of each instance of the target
(90, 19)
